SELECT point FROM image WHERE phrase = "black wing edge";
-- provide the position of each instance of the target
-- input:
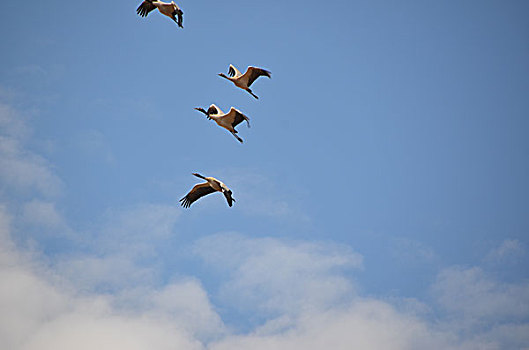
(231, 71)
(265, 72)
(239, 118)
(256, 73)
(144, 8)
(193, 196)
(186, 202)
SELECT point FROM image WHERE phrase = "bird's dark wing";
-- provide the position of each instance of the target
(197, 192)
(254, 73)
(212, 110)
(145, 7)
(229, 198)
(180, 14)
(235, 117)
(239, 118)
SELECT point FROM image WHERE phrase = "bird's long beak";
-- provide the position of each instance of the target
(201, 110)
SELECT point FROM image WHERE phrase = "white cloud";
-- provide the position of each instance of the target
(122, 251)
(485, 313)
(363, 324)
(5, 222)
(105, 273)
(42, 213)
(273, 275)
(508, 251)
(301, 290)
(474, 298)
(21, 169)
(187, 303)
(41, 310)
(25, 170)
(89, 330)
(11, 122)
(25, 300)
(314, 305)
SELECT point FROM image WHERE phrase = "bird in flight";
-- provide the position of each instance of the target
(203, 189)
(171, 10)
(244, 81)
(228, 120)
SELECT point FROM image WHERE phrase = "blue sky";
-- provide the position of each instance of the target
(381, 190)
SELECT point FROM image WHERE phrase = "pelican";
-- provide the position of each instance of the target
(169, 9)
(244, 81)
(228, 120)
(211, 185)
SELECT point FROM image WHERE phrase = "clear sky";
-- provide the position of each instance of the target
(382, 196)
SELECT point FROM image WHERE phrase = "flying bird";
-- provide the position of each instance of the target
(226, 120)
(211, 185)
(244, 81)
(169, 9)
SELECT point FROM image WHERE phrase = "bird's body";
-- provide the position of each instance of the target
(228, 120)
(203, 189)
(244, 81)
(171, 10)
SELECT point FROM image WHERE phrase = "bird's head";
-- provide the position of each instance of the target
(223, 75)
(229, 197)
(203, 111)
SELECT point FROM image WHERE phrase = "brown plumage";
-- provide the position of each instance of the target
(211, 185)
(226, 120)
(171, 10)
(244, 81)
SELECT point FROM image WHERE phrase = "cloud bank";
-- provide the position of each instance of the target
(298, 289)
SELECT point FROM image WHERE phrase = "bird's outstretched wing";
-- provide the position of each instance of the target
(145, 7)
(253, 73)
(196, 192)
(233, 72)
(229, 198)
(235, 117)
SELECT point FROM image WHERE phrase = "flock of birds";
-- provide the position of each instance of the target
(227, 121)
